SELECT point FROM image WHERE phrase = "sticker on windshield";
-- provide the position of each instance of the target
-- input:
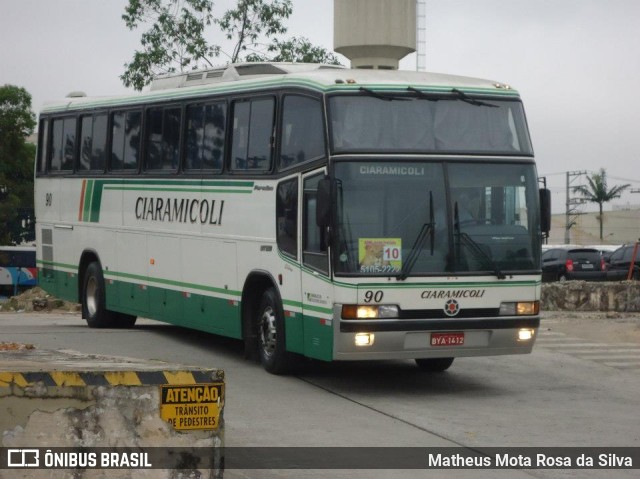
(380, 255)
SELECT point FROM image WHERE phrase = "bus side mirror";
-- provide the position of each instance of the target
(323, 203)
(545, 210)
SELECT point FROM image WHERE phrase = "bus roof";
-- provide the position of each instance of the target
(255, 76)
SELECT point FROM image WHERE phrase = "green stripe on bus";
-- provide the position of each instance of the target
(87, 200)
(196, 92)
(57, 265)
(181, 182)
(188, 190)
(169, 282)
(193, 92)
(440, 285)
(96, 201)
(307, 307)
(307, 334)
(317, 309)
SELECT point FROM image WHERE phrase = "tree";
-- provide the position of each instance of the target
(17, 121)
(250, 19)
(176, 40)
(597, 192)
(296, 49)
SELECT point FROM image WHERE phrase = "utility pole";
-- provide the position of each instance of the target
(573, 202)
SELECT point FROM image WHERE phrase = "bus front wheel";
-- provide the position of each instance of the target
(94, 310)
(434, 365)
(271, 336)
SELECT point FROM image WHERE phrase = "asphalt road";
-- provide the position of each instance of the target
(580, 387)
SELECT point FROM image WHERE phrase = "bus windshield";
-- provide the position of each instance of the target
(452, 124)
(460, 217)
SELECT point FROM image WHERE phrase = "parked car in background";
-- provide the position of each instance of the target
(620, 261)
(605, 249)
(561, 264)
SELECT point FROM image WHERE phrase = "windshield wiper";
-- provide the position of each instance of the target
(475, 248)
(462, 96)
(424, 95)
(428, 229)
(381, 96)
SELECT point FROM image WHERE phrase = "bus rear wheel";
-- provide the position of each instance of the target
(434, 365)
(271, 335)
(94, 310)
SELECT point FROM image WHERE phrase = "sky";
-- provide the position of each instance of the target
(576, 64)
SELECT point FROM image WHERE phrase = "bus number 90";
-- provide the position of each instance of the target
(375, 296)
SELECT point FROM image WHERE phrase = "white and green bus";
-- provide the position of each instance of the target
(308, 210)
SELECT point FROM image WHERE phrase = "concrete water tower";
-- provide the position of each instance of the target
(374, 33)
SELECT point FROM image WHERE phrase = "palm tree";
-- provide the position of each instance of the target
(597, 192)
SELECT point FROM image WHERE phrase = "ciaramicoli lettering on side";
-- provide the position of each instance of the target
(452, 294)
(179, 210)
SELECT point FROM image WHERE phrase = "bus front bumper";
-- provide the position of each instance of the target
(410, 339)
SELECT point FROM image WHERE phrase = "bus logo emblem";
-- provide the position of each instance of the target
(451, 307)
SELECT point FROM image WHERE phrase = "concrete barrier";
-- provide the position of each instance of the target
(62, 399)
(619, 296)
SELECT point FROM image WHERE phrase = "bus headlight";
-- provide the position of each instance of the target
(525, 335)
(522, 308)
(367, 311)
(364, 339)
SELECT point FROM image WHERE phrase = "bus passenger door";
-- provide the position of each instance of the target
(316, 284)
(288, 270)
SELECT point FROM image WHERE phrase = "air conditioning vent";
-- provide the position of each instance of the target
(234, 72)
(259, 69)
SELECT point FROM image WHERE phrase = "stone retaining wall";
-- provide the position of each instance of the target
(623, 296)
(60, 399)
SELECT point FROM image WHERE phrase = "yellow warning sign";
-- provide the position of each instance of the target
(192, 406)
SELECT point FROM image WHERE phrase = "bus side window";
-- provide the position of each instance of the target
(86, 140)
(287, 217)
(99, 143)
(43, 146)
(125, 141)
(162, 142)
(302, 136)
(251, 146)
(93, 143)
(63, 144)
(314, 247)
(205, 137)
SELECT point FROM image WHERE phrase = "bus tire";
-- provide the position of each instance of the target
(94, 310)
(271, 335)
(434, 365)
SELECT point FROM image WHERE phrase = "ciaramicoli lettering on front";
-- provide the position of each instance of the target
(453, 294)
(392, 170)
